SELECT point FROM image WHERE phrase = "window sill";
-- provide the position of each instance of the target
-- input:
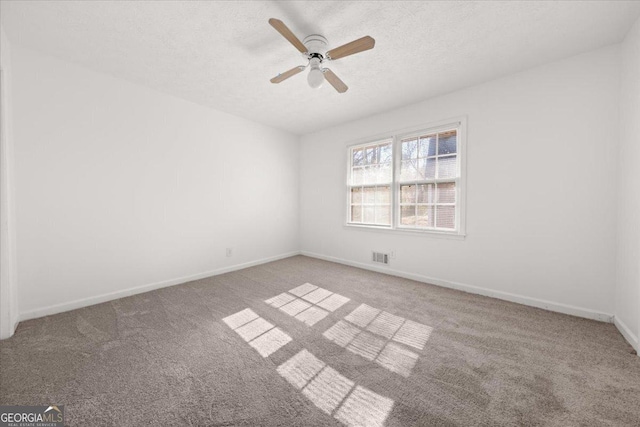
(453, 235)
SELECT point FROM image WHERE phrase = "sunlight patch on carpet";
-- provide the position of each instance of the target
(362, 316)
(413, 334)
(397, 359)
(342, 333)
(328, 389)
(313, 306)
(333, 393)
(269, 343)
(382, 339)
(260, 334)
(303, 289)
(301, 368)
(316, 296)
(333, 302)
(366, 345)
(312, 315)
(386, 324)
(295, 307)
(280, 300)
(254, 329)
(363, 407)
(240, 318)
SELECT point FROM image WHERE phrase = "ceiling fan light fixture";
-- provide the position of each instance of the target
(316, 76)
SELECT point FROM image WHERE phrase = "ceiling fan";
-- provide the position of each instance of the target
(314, 49)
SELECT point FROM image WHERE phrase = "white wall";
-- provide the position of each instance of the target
(541, 193)
(122, 189)
(628, 282)
(8, 280)
(119, 187)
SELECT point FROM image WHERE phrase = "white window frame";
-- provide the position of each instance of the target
(460, 125)
(376, 142)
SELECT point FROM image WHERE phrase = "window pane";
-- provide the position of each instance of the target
(357, 175)
(368, 214)
(407, 194)
(358, 157)
(377, 205)
(369, 155)
(383, 215)
(385, 153)
(356, 195)
(427, 146)
(407, 215)
(383, 195)
(428, 168)
(356, 214)
(447, 143)
(370, 174)
(447, 167)
(426, 193)
(409, 170)
(369, 195)
(447, 192)
(421, 167)
(446, 217)
(425, 217)
(409, 149)
(384, 173)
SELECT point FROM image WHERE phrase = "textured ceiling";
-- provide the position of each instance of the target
(222, 54)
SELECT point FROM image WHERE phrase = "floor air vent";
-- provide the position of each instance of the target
(380, 258)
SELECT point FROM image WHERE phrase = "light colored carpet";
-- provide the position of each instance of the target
(397, 352)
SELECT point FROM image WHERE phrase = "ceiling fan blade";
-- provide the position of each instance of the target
(335, 81)
(360, 45)
(287, 74)
(287, 34)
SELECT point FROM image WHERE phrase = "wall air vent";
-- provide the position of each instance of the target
(380, 258)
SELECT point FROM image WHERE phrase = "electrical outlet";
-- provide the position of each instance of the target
(229, 252)
(393, 255)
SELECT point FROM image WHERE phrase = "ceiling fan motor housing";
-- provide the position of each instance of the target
(316, 46)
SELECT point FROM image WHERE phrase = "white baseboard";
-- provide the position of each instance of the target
(533, 302)
(85, 302)
(9, 323)
(627, 334)
(15, 321)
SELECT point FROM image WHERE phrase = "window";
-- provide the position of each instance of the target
(408, 182)
(371, 171)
